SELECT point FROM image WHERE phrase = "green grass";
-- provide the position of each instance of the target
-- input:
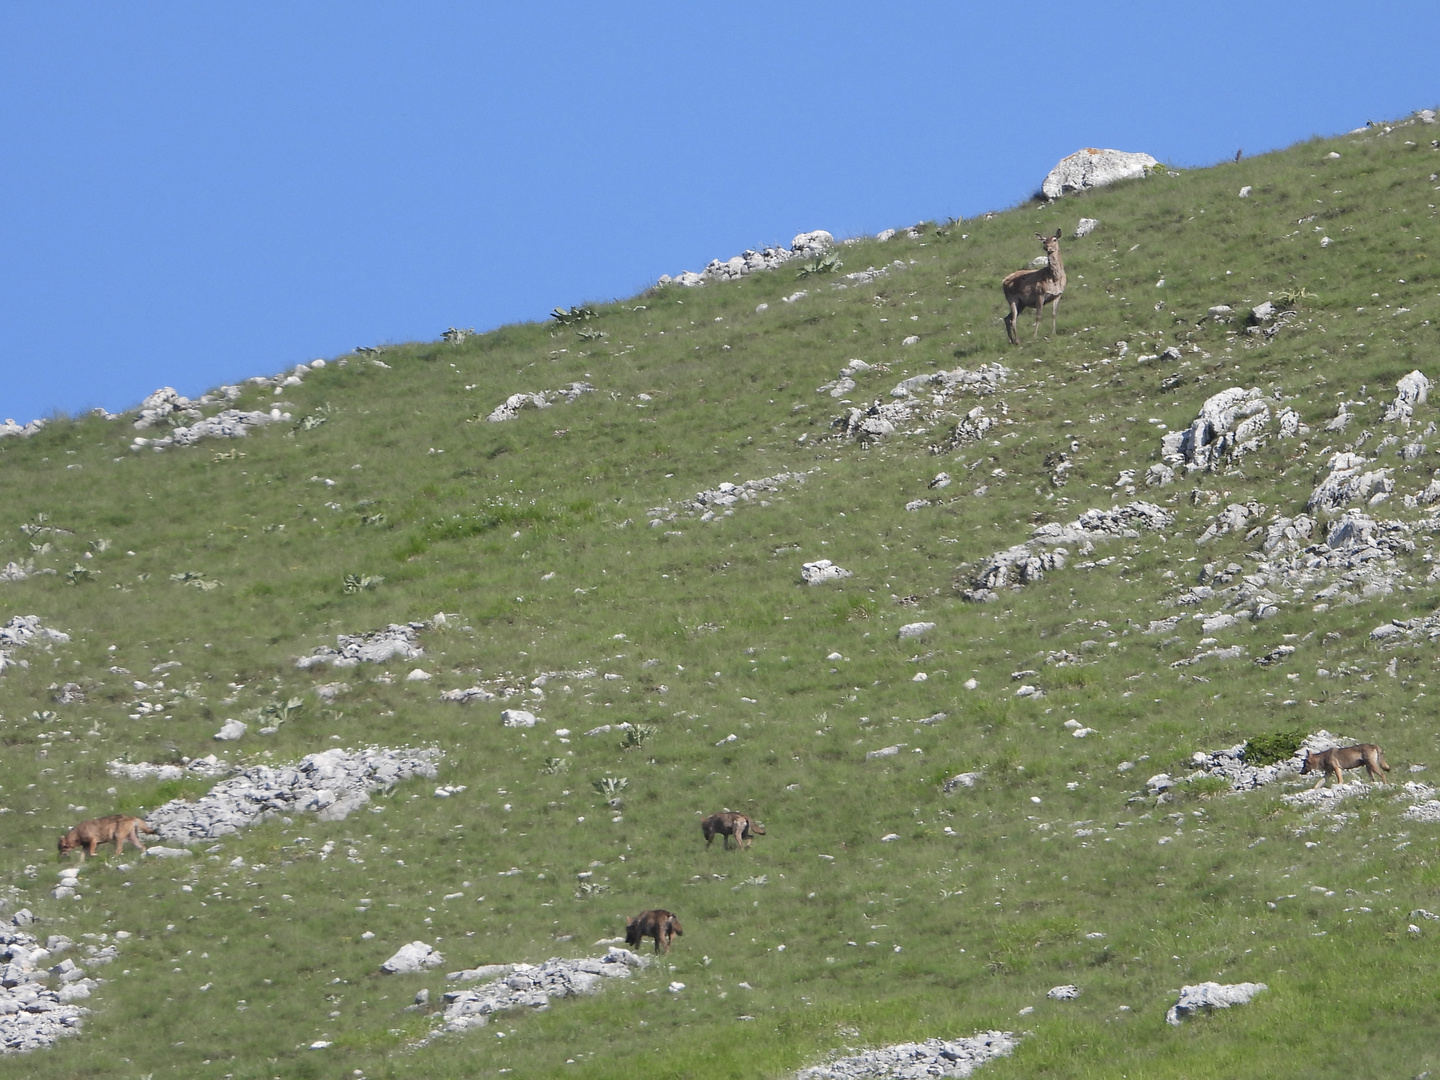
(987, 918)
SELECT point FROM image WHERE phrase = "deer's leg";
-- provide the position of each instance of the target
(1010, 321)
(1039, 310)
(1054, 314)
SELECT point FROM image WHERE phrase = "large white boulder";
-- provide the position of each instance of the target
(413, 958)
(1091, 168)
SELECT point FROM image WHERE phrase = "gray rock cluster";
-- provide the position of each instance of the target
(986, 379)
(34, 1013)
(331, 784)
(1360, 558)
(533, 985)
(914, 1061)
(228, 424)
(1230, 424)
(1348, 481)
(1092, 168)
(1208, 996)
(208, 768)
(843, 383)
(10, 429)
(1411, 390)
(1030, 561)
(512, 406)
(1230, 764)
(510, 685)
(396, 641)
(804, 246)
(821, 571)
(17, 571)
(921, 397)
(721, 500)
(24, 630)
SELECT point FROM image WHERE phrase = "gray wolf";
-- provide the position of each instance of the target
(660, 924)
(88, 835)
(1333, 761)
(730, 824)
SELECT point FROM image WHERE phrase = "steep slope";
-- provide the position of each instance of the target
(1155, 535)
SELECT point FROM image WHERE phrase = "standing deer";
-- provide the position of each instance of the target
(1033, 288)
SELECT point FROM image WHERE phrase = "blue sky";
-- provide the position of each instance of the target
(193, 194)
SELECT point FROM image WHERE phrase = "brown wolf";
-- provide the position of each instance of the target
(89, 835)
(730, 824)
(660, 924)
(1332, 761)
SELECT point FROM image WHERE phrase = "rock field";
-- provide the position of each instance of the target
(331, 784)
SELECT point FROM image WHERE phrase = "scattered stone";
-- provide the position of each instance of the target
(1086, 226)
(229, 424)
(884, 752)
(466, 696)
(1030, 561)
(915, 629)
(907, 1061)
(804, 246)
(396, 641)
(330, 784)
(1092, 168)
(412, 959)
(23, 630)
(1209, 996)
(518, 718)
(512, 406)
(1068, 992)
(1245, 191)
(964, 779)
(484, 971)
(533, 985)
(230, 731)
(821, 571)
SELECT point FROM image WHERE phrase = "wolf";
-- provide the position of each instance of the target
(1337, 758)
(660, 924)
(728, 823)
(89, 835)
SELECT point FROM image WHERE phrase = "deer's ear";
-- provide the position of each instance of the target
(1057, 234)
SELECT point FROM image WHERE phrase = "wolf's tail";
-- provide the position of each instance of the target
(1383, 763)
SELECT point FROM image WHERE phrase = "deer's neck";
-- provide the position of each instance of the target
(1056, 267)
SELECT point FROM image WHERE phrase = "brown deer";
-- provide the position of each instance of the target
(1034, 288)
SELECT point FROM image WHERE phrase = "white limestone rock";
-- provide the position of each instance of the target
(1092, 168)
(412, 959)
(1207, 996)
(230, 731)
(913, 1061)
(821, 571)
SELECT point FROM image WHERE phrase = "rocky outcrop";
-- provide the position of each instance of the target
(412, 959)
(906, 1061)
(805, 246)
(721, 500)
(10, 429)
(512, 406)
(331, 784)
(821, 571)
(1029, 562)
(1349, 481)
(534, 985)
(33, 1013)
(1230, 424)
(24, 630)
(229, 424)
(1208, 996)
(1092, 168)
(396, 641)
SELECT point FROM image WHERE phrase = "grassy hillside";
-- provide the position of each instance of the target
(533, 537)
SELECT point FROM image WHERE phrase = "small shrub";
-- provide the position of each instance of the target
(610, 786)
(555, 765)
(355, 583)
(1205, 787)
(1262, 750)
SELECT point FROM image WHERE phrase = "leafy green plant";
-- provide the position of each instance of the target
(1262, 750)
(637, 735)
(1290, 298)
(196, 579)
(827, 263)
(355, 583)
(610, 786)
(282, 712)
(577, 314)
